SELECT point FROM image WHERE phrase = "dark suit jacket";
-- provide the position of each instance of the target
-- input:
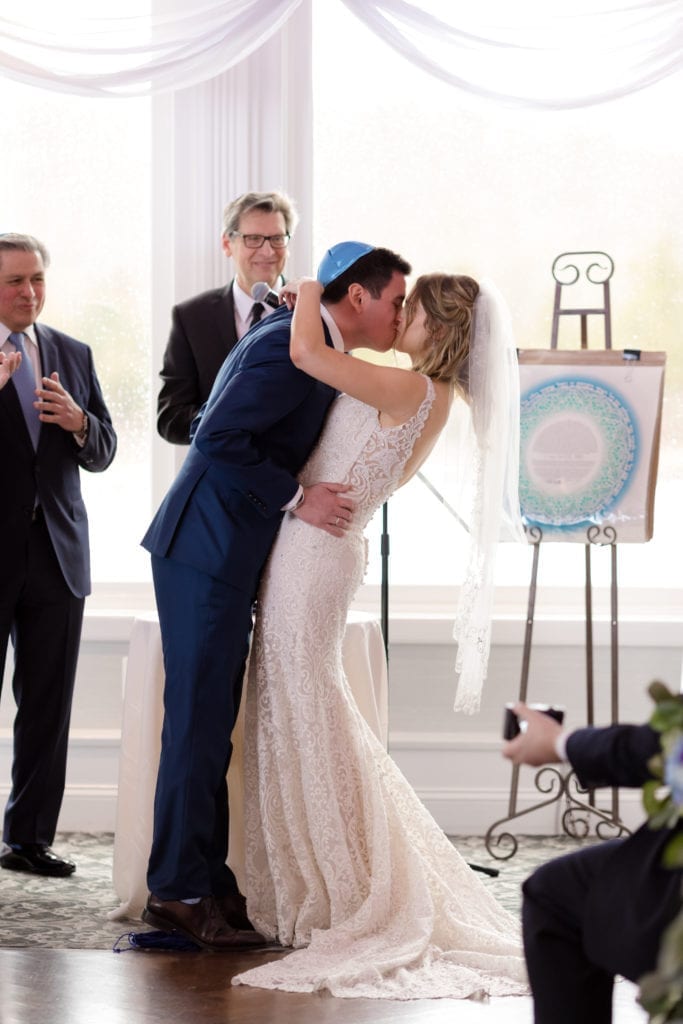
(634, 897)
(259, 425)
(202, 334)
(52, 472)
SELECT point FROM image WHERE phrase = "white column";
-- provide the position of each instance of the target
(247, 129)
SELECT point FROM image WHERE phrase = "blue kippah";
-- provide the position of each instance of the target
(339, 258)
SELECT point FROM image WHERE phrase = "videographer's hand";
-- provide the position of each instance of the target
(535, 744)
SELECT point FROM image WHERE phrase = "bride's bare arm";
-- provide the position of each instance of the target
(394, 391)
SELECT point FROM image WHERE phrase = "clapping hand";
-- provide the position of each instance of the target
(9, 363)
(55, 405)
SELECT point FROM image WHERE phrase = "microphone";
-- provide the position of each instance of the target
(262, 292)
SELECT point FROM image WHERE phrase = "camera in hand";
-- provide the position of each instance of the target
(511, 727)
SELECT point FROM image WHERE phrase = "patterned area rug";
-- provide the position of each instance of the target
(71, 913)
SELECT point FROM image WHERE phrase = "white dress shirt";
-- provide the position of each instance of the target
(243, 306)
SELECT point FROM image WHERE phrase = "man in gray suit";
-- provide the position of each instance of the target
(257, 227)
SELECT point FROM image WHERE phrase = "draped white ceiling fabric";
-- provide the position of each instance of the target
(183, 43)
(535, 54)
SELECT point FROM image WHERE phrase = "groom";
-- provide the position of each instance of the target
(209, 542)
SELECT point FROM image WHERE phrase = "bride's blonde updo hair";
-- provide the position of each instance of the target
(448, 302)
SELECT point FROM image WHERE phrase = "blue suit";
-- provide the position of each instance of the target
(599, 911)
(209, 542)
(45, 578)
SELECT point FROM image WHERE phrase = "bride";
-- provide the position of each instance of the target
(343, 862)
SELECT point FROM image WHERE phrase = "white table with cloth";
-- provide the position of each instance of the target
(366, 670)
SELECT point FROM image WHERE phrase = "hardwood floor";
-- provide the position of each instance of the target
(100, 987)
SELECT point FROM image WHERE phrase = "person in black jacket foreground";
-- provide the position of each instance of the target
(600, 911)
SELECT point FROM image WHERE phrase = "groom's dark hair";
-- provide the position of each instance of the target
(374, 271)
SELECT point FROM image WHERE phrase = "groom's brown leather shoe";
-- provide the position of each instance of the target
(233, 907)
(35, 857)
(201, 922)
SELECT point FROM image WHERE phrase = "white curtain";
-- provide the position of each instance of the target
(538, 54)
(179, 44)
(535, 53)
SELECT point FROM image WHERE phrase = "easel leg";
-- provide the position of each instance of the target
(550, 780)
(614, 643)
(535, 536)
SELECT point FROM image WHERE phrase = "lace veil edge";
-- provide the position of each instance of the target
(495, 513)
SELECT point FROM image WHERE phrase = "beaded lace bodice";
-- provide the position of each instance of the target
(370, 459)
(342, 860)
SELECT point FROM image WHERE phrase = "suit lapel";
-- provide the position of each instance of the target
(49, 351)
(223, 311)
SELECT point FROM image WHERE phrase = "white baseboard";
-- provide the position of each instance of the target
(88, 809)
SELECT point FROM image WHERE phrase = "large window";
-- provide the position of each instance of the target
(405, 160)
(76, 174)
(401, 159)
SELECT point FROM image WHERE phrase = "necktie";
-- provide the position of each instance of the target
(25, 384)
(256, 313)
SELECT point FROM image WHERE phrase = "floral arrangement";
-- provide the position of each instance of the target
(661, 991)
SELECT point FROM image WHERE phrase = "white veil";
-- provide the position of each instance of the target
(495, 514)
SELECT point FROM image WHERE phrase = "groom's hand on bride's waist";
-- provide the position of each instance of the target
(327, 507)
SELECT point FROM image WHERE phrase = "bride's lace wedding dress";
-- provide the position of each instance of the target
(341, 856)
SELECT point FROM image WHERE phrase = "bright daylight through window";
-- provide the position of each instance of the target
(404, 159)
(461, 184)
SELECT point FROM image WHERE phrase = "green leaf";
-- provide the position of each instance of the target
(654, 802)
(667, 715)
(659, 691)
(673, 852)
(656, 767)
(664, 819)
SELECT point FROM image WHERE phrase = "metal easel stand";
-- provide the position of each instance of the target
(384, 589)
(557, 785)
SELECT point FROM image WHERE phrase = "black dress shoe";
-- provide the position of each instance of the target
(233, 907)
(35, 857)
(201, 922)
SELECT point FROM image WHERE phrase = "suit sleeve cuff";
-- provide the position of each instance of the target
(561, 745)
(295, 501)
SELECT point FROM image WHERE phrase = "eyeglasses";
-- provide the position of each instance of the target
(256, 241)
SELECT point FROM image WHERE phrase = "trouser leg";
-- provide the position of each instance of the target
(205, 627)
(567, 987)
(46, 630)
